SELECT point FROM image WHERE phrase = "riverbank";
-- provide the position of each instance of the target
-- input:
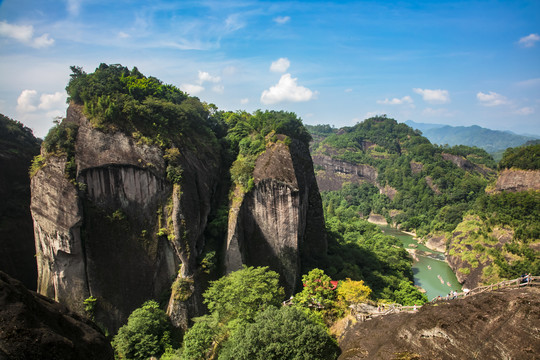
(430, 270)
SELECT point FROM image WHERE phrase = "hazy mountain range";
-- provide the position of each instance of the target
(492, 141)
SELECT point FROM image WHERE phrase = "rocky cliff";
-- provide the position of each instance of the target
(280, 221)
(17, 148)
(499, 324)
(517, 180)
(118, 230)
(35, 327)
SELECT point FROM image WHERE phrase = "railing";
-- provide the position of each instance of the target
(388, 309)
(519, 282)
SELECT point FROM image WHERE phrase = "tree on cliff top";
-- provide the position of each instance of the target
(525, 157)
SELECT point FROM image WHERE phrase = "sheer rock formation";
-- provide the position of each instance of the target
(280, 221)
(122, 232)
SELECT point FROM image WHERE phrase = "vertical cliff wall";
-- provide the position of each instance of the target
(17, 148)
(280, 220)
(120, 230)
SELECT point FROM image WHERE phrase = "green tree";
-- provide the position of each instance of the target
(352, 292)
(238, 296)
(318, 291)
(284, 333)
(147, 333)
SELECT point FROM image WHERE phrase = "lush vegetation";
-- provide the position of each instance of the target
(146, 334)
(284, 333)
(249, 135)
(525, 157)
(243, 306)
(432, 193)
(360, 251)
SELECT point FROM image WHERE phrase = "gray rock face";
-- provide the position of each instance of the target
(281, 219)
(121, 235)
(337, 172)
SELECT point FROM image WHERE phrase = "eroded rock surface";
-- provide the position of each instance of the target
(501, 324)
(33, 326)
(122, 232)
(281, 219)
(518, 180)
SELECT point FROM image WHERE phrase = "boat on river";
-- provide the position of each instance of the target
(441, 279)
(429, 267)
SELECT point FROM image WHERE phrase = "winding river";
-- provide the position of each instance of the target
(430, 270)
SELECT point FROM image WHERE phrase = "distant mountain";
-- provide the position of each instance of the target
(490, 140)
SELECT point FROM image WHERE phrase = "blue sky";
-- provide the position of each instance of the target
(451, 62)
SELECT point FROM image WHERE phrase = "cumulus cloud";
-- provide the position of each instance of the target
(280, 65)
(192, 89)
(529, 40)
(206, 77)
(51, 101)
(25, 35)
(282, 19)
(491, 99)
(434, 96)
(525, 111)
(286, 89)
(395, 101)
(28, 101)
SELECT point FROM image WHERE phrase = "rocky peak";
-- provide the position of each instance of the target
(281, 219)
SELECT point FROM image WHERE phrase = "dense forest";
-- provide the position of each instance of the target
(432, 193)
(502, 215)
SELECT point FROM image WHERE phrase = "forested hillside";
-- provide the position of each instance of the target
(418, 186)
(500, 236)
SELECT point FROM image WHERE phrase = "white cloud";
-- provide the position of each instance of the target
(434, 96)
(529, 82)
(529, 40)
(192, 89)
(233, 22)
(51, 101)
(25, 35)
(280, 65)
(206, 77)
(244, 101)
(282, 19)
(286, 90)
(123, 35)
(525, 111)
(395, 101)
(27, 101)
(491, 99)
(348, 90)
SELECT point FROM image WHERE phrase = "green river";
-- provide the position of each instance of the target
(430, 267)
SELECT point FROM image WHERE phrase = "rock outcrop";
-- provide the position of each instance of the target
(280, 220)
(17, 148)
(120, 230)
(518, 180)
(467, 165)
(33, 326)
(334, 173)
(499, 324)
